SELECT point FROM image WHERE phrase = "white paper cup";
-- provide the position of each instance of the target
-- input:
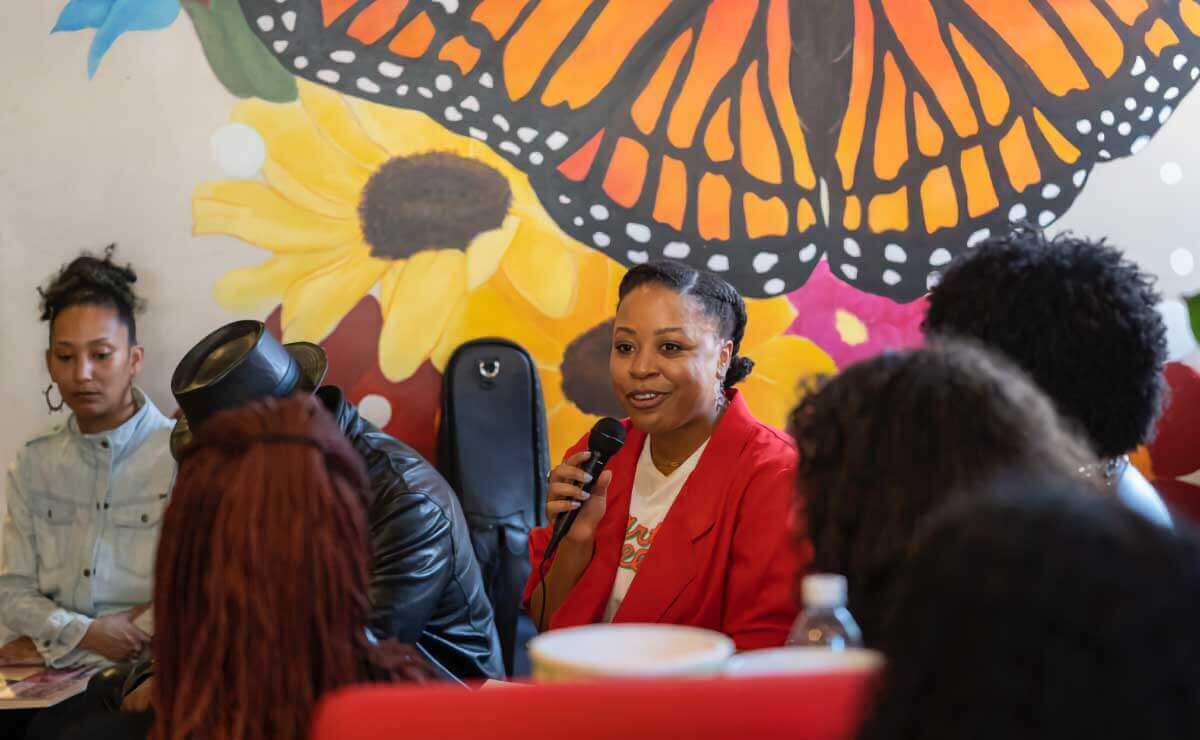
(627, 650)
(801, 660)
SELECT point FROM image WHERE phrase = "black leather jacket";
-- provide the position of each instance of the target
(426, 586)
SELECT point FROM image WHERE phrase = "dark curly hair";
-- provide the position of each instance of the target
(1034, 611)
(1076, 315)
(889, 439)
(89, 280)
(720, 300)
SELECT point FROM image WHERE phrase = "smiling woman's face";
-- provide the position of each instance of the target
(667, 360)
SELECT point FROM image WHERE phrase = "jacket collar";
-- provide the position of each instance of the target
(344, 413)
(663, 578)
(129, 435)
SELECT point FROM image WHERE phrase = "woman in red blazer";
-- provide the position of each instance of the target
(688, 524)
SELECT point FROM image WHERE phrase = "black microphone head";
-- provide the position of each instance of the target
(607, 437)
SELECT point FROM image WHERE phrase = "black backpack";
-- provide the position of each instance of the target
(492, 449)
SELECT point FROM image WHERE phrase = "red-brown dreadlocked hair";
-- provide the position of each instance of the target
(260, 588)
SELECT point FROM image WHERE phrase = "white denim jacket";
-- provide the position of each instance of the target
(82, 528)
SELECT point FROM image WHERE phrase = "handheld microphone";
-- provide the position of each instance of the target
(605, 440)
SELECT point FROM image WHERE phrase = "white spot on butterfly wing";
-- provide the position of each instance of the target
(939, 257)
(443, 83)
(300, 62)
(851, 247)
(1017, 212)
(367, 85)
(1151, 84)
(850, 271)
(328, 75)
(764, 261)
(891, 277)
(975, 238)
(289, 20)
(1045, 218)
(638, 232)
(718, 263)
(774, 286)
(895, 253)
(390, 71)
(470, 103)
(1139, 66)
(486, 80)
(1139, 144)
(342, 56)
(556, 140)
(676, 250)
(1083, 126)
(1051, 191)
(808, 253)
(599, 212)
(1107, 118)
(266, 23)
(637, 257)
(279, 46)
(600, 239)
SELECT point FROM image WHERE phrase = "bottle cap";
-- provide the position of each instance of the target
(824, 590)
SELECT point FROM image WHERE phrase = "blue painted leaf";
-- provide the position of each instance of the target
(80, 14)
(130, 15)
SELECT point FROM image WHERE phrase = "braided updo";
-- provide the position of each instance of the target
(719, 300)
(93, 281)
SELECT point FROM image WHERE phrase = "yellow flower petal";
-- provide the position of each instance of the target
(418, 304)
(566, 425)
(250, 290)
(489, 312)
(296, 191)
(779, 365)
(328, 109)
(295, 143)
(404, 133)
(485, 251)
(766, 318)
(543, 270)
(313, 307)
(255, 213)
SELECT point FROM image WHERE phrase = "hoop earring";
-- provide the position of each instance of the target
(54, 408)
(720, 395)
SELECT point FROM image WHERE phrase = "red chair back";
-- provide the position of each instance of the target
(817, 707)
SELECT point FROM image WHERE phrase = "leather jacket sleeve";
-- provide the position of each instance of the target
(412, 562)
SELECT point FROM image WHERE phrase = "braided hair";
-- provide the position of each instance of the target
(89, 280)
(719, 300)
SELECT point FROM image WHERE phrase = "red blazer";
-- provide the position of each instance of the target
(723, 557)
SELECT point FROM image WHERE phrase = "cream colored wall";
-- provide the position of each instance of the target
(84, 163)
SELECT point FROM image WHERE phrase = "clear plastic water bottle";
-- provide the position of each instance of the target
(825, 621)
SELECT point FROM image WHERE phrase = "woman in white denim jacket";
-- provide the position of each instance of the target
(85, 500)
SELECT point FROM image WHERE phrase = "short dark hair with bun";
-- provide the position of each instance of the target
(89, 280)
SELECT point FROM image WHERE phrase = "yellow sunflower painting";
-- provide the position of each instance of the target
(571, 351)
(358, 198)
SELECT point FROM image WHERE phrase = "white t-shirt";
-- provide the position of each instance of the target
(653, 495)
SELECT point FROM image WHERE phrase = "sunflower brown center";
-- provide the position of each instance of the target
(585, 379)
(437, 200)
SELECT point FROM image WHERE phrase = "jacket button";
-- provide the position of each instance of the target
(87, 573)
(145, 518)
(49, 513)
(104, 443)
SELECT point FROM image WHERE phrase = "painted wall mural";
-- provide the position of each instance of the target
(418, 173)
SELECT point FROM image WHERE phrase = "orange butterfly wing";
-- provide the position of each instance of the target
(967, 115)
(649, 128)
(752, 136)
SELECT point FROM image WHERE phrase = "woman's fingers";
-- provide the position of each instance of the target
(554, 508)
(566, 491)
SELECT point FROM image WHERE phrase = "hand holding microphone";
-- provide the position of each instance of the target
(575, 499)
